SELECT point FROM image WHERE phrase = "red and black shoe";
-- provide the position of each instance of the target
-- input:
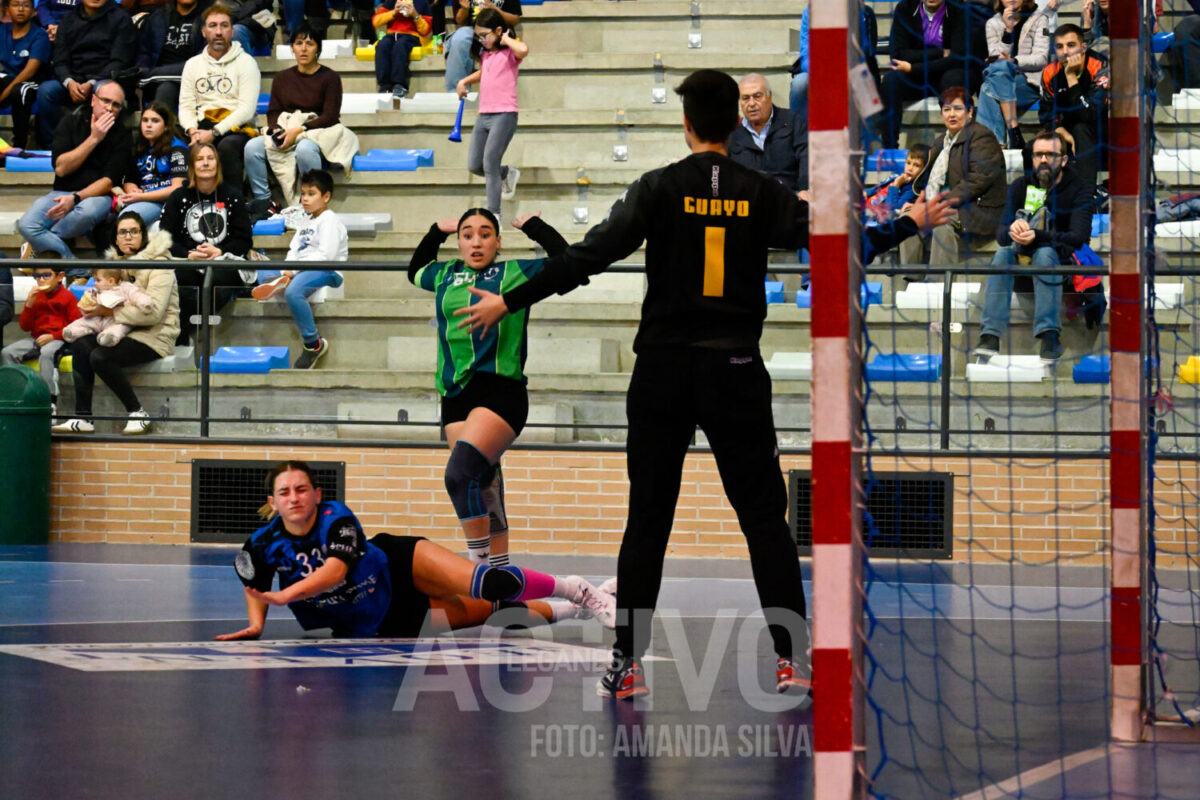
(792, 674)
(624, 680)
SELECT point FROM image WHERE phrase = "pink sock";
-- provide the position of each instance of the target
(537, 584)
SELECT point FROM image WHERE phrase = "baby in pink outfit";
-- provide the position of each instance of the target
(111, 291)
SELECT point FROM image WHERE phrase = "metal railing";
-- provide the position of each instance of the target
(203, 341)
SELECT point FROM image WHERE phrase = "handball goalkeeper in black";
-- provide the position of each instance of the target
(708, 223)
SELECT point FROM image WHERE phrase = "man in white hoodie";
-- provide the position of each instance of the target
(218, 94)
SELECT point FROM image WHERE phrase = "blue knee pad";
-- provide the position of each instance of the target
(465, 473)
(497, 583)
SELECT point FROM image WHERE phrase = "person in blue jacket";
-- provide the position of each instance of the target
(24, 60)
(332, 576)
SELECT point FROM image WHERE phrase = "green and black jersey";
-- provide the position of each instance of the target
(461, 352)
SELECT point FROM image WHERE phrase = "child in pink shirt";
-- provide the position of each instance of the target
(500, 58)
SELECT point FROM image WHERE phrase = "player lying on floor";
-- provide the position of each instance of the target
(332, 576)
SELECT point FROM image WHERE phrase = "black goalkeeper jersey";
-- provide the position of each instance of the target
(707, 223)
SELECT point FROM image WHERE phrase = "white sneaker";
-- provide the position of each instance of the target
(601, 606)
(248, 276)
(139, 423)
(74, 425)
(609, 586)
(509, 187)
(576, 589)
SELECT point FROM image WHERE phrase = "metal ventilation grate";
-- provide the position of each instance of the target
(226, 496)
(912, 513)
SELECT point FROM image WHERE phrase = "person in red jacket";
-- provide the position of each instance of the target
(404, 24)
(49, 308)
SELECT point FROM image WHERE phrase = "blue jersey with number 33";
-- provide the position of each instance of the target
(358, 605)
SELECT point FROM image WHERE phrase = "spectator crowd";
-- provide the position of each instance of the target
(149, 111)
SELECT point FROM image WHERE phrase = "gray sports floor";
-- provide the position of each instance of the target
(111, 687)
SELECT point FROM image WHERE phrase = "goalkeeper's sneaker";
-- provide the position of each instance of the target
(624, 680)
(792, 674)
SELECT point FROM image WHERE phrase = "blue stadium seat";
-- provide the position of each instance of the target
(774, 291)
(384, 160)
(1091, 369)
(248, 359)
(1161, 42)
(1099, 224)
(264, 100)
(270, 227)
(896, 367)
(78, 289)
(29, 161)
(871, 294)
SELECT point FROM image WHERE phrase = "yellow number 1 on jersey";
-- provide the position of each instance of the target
(714, 262)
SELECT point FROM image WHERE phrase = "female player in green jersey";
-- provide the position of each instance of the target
(480, 375)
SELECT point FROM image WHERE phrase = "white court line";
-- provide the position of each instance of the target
(1013, 786)
(120, 622)
(134, 580)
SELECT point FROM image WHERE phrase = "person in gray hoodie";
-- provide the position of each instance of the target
(218, 94)
(95, 41)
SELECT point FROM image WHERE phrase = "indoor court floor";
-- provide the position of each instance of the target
(111, 686)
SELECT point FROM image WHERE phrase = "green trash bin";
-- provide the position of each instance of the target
(24, 457)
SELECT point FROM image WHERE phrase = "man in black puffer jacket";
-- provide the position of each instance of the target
(95, 41)
(934, 44)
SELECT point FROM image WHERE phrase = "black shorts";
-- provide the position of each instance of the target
(504, 396)
(409, 607)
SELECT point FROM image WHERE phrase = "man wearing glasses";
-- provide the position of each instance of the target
(90, 151)
(95, 41)
(1046, 219)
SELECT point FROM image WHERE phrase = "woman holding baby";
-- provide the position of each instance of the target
(132, 319)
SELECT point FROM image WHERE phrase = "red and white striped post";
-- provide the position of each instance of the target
(1127, 461)
(838, 730)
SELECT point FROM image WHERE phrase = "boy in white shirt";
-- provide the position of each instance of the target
(320, 237)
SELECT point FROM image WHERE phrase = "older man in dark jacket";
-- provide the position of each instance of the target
(95, 41)
(770, 140)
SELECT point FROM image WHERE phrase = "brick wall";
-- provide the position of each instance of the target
(566, 502)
